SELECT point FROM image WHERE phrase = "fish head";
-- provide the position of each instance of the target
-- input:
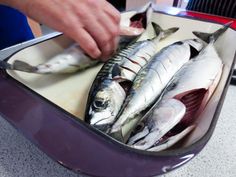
(164, 117)
(106, 105)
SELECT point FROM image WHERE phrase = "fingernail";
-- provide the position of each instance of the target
(96, 54)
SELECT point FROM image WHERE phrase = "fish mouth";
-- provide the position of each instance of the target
(135, 138)
(99, 122)
(104, 127)
(103, 124)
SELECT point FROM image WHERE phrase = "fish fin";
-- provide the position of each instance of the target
(193, 51)
(23, 66)
(5, 65)
(164, 33)
(125, 84)
(212, 37)
(192, 99)
(116, 71)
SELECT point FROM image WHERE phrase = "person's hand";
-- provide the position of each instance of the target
(94, 24)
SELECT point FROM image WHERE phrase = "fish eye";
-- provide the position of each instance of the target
(99, 104)
(139, 127)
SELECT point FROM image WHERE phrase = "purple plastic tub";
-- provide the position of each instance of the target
(37, 106)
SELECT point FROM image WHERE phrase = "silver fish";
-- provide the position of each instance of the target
(102, 108)
(150, 83)
(74, 59)
(163, 118)
(70, 60)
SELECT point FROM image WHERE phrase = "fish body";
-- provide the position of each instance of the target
(149, 84)
(121, 68)
(70, 60)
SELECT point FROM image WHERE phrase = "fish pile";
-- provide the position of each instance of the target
(152, 105)
(142, 97)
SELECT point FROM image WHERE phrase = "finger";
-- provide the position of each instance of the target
(85, 41)
(112, 12)
(114, 45)
(100, 35)
(108, 50)
(112, 28)
(130, 31)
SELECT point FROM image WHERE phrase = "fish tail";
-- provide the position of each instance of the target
(23, 66)
(212, 37)
(5, 65)
(162, 34)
